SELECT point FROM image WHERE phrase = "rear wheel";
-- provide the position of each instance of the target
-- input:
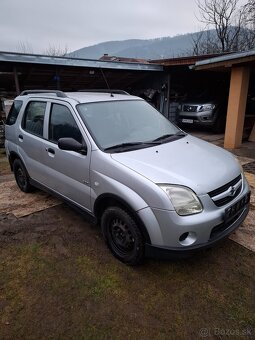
(122, 235)
(21, 176)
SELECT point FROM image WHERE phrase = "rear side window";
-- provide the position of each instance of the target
(34, 117)
(62, 124)
(14, 111)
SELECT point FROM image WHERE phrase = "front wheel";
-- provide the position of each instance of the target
(122, 235)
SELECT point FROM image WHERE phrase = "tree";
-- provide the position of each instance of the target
(205, 42)
(24, 47)
(230, 27)
(250, 11)
(56, 51)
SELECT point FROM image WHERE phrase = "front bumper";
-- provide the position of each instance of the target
(172, 233)
(170, 252)
(204, 118)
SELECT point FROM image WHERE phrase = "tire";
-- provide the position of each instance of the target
(21, 176)
(122, 235)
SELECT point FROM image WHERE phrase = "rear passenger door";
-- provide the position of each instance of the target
(67, 171)
(30, 138)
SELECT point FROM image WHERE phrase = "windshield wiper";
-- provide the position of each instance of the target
(156, 141)
(122, 145)
(130, 144)
(163, 137)
(166, 136)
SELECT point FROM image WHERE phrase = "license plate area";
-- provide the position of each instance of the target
(189, 121)
(236, 208)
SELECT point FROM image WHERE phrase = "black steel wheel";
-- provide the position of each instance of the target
(21, 176)
(122, 236)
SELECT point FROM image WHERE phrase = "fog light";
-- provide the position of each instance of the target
(183, 237)
(188, 238)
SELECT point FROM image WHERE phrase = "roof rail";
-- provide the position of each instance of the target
(105, 91)
(56, 92)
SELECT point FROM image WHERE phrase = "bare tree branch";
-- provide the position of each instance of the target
(234, 26)
(56, 51)
(24, 47)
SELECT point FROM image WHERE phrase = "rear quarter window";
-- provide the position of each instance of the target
(14, 112)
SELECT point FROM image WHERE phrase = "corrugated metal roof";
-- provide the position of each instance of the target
(189, 60)
(107, 57)
(66, 61)
(225, 58)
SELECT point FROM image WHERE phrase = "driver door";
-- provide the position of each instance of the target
(67, 171)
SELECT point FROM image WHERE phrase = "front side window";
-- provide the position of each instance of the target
(14, 111)
(34, 118)
(62, 124)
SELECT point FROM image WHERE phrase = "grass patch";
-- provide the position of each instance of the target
(88, 294)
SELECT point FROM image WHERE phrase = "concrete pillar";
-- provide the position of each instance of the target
(236, 106)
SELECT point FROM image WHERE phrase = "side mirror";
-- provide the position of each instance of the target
(71, 144)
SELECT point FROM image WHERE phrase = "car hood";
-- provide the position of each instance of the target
(188, 161)
(199, 102)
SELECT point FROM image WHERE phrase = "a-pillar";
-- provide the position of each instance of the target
(236, 107)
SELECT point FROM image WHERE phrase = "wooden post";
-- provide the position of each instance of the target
(16, 79)
(236, 107)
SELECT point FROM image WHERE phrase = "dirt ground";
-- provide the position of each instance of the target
(59, 281)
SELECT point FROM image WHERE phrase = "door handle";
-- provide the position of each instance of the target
(20, 137)
(51, 152)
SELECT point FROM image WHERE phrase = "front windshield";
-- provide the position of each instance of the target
(126, 121)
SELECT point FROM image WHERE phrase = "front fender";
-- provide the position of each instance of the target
(103, 186)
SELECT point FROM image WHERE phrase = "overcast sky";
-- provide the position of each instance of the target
(78, 23)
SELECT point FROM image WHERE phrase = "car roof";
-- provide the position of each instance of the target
(82, 97)
(85, 97)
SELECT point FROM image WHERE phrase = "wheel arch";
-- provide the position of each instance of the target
(107, 200)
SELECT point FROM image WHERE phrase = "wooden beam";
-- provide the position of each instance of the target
(16, 80)
(226, 63)
(236, 106)
(168, 93)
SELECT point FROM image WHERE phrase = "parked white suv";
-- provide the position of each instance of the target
(154, 189)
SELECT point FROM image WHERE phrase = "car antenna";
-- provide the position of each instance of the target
(106, 82)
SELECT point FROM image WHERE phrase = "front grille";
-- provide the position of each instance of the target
(222, 189)
(220, 228)
(227, 199)
(190, 108)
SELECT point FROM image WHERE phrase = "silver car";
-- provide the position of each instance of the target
(155, 190)
(204, 110)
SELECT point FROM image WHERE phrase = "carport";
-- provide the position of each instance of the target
(183, 81)
(241, 65)
(20, 71)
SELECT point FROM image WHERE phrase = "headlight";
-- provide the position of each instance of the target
(179, 107)
(184, 200)
(206, 107)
